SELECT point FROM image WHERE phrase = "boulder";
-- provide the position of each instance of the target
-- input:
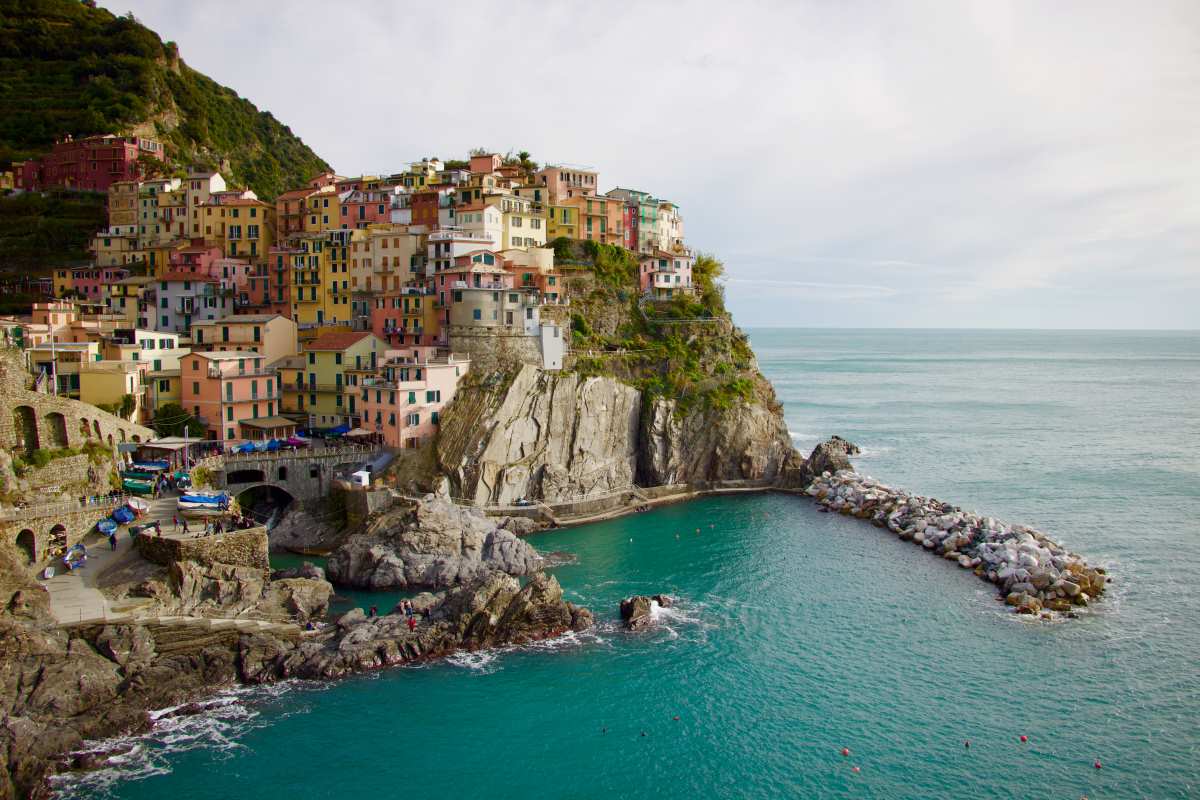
(636, 611)
(432, 543)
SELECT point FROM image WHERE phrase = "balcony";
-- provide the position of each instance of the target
(448, 234)
(249, 373)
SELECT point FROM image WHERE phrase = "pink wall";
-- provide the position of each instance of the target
(391, 407)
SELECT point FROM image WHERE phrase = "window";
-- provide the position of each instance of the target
(229, 434)
(412, 398)
(312, 359)
(477, 314)
(195, 387)
(281, 474)
(314, 471)
(229, 413)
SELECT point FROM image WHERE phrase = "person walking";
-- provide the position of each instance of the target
(185, 526)
(112, 542)
(175, 523)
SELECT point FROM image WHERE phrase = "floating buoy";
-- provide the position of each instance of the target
(643, 733)
(855, 769)
(845, 751)
(676, 718)
(1024, 738)
(1098, 765)
(967, 744)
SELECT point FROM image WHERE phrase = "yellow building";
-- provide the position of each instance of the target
(106, 383)
(562, 221)
(123, 207)
(524, 225)
(62, 281)
(323, 211)
(115, 250)
(249, 230)
(335, 277)
(324, 381)
(130, 300)
(162, 387)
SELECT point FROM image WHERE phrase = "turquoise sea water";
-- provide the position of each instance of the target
(799, 633)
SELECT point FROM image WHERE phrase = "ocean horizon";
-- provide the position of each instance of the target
(798, 633)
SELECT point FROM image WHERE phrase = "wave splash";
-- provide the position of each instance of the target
(216, 723)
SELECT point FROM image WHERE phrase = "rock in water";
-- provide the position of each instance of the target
(636, 611)
(432, 544)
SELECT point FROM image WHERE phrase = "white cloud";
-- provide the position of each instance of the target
(988, 163)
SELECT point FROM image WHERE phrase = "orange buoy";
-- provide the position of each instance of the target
(855, 769)
(1098, 765)
(1024, 738)
(845, 751)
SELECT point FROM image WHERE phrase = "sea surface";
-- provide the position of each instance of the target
(798, 633)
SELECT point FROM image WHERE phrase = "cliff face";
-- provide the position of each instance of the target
(563, 437)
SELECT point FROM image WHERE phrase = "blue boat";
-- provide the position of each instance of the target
(122, 516)
(106, 526)
(206, 499)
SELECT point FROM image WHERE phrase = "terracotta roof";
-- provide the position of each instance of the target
(336, 341)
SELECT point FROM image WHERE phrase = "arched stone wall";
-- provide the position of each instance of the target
(56, 430)
(27, 545)
(25, 428)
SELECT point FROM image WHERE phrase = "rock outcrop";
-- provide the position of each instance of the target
(433, 544)
(61, 687)
(832, 456)
(563, 438)
(637, 612)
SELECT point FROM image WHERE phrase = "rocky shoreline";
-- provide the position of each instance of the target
(1035, 574)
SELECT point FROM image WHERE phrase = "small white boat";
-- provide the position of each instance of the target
(137, 505)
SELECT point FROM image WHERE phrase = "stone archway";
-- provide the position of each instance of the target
(137, 438)
(85, 430)
(96, 428)
(27, 545)
(25, 428)
(121, 433)
(56, 430)
(245, 476)
(110, 440)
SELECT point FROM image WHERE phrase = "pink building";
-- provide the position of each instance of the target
(405, 402)
(664, 275)
(197, 259)
(92, 163)
(234, 395)
(362, 208)
(88, 280)
(486, 164)
(54, 315)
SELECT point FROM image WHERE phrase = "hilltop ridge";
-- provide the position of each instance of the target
(69, 67)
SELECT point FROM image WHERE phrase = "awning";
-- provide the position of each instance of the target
(268, 423)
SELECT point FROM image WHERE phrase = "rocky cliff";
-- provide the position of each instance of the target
(566, 437)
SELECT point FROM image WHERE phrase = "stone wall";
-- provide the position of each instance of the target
(27, 532)
(31, 420)
(69, 471)
(491, 348)
(305, 475)
(248, 548)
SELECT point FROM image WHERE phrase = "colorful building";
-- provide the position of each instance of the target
(663, 275)
(324, 382)
(404, 402)
(270, 335)
(184, 299)
(90, 164)
(233, 394)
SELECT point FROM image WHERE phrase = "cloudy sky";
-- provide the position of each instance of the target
(908, 164)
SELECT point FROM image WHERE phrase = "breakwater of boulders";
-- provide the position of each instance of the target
(1035, 574)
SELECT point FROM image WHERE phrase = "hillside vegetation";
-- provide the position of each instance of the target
(67, 67)
(42, 231)
(686, 349)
